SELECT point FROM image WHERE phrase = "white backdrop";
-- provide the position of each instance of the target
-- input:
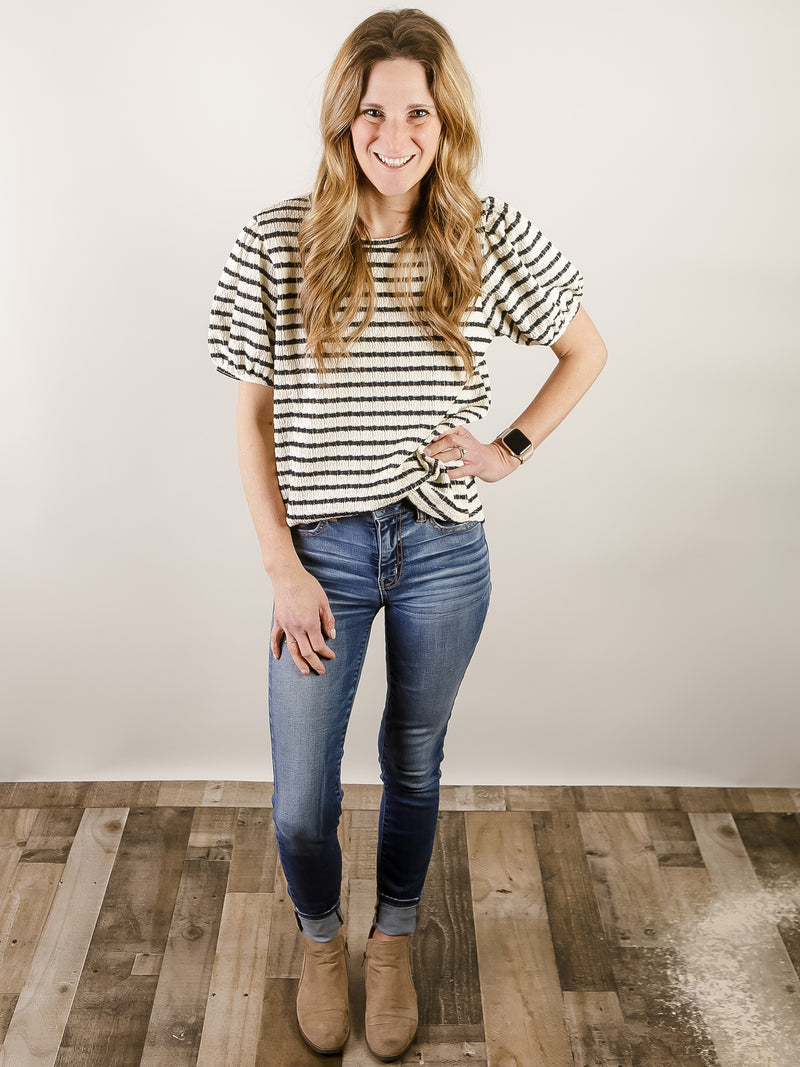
(645, 563)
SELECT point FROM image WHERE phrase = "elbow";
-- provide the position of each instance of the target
(601, 354)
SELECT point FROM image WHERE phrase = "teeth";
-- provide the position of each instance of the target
(401, 162)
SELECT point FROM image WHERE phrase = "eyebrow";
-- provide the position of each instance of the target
(409, 107)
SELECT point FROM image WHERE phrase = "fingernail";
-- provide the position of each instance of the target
(333, 632)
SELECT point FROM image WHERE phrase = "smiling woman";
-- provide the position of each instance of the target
(357, 321)
(395, 138)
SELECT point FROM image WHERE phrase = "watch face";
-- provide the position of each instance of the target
(517, 441)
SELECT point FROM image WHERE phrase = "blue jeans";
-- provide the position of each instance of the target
(432, 580)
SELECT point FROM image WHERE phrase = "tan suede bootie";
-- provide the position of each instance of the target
(391, 1015)
(323, 1012)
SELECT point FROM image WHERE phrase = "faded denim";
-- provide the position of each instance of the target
(432, 580)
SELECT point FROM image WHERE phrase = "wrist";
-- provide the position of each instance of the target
(515, 444)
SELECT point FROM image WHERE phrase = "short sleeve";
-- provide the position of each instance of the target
(241, 332)
(531, 291)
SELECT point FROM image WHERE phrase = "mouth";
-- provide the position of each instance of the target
(394, 162)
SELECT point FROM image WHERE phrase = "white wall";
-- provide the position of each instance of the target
(644, 624)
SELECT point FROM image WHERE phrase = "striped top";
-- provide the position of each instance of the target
(352, 440)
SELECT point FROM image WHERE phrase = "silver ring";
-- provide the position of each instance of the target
(463, 452)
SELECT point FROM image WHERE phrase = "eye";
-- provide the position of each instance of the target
(419, 113)
(372, 112)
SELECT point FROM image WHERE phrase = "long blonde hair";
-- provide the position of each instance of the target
(337, 299)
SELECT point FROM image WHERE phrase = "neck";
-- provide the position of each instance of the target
(385, 216)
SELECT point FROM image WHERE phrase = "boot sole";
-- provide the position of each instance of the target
(394, 1056)
(327, 1051)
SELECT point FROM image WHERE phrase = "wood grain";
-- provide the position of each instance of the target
(40, 1017)
(596, 1029)
(232, 1025)
(626, 876)
(176, 1021)
(564, 926)
(582, 956)
(521, 995)
(114, 999)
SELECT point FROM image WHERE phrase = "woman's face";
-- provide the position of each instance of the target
(396, 131)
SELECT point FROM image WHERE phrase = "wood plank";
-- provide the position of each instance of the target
(443, 1046)
(182, 794)
(232, 1027)
(596, 1029)
(38, 1023)
(522, 1000)
(661, 1028)
(254, 795)
(737, 968)
(702, 798)
(582, 956)
(121, 794)
(213, 832)
(8, 1002)
(176, 1022)
(285, 958)
(52, 835)
(255, 852)
(16, 826)
(51, 795)
(772, 843)
(626, 876)
(23, 914)
(444, 955)
(473, 798)
(362, 797)
(112, 1006)
(673, 839)
(539, 798)
(777, 800)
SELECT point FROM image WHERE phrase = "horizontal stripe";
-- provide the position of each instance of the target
(347, 440)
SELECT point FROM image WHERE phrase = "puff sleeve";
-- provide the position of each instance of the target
(531, 291)
(241, 331)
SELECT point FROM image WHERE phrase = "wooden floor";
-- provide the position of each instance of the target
(148, 923)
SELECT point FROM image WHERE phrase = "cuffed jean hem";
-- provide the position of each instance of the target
(395, 920)
(323, 928)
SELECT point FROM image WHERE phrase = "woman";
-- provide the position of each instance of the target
(356, 321)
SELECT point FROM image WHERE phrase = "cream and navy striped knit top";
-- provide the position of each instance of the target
(352, 440)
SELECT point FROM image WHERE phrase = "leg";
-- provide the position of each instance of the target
(434, 617)
(308, 722)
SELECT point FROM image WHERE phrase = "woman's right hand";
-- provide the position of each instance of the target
(303, 618)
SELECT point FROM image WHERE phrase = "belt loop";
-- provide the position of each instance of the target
(419, 516)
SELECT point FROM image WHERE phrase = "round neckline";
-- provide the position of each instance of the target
(381, 240)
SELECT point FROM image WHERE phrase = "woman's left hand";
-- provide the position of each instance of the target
(467, 457)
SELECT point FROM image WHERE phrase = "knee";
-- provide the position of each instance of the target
(414, 776)
(304, 831)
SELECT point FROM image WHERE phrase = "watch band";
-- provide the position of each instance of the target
(517, 443)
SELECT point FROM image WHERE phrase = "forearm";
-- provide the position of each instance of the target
(576, 370)
(256, 444)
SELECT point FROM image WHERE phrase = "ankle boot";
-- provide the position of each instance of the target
(391, 1016)
(323, 1013)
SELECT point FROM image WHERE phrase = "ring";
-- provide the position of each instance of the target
(463, 452)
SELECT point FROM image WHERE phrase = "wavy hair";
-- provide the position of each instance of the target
(337, 299)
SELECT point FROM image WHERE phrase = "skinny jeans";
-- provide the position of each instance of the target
(431, 578)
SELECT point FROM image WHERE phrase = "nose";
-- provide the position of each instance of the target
(394, 135)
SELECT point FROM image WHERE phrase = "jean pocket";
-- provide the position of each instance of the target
(311, 529)
(449, 526)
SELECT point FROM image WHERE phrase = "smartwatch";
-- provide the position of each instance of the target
(516, 442)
